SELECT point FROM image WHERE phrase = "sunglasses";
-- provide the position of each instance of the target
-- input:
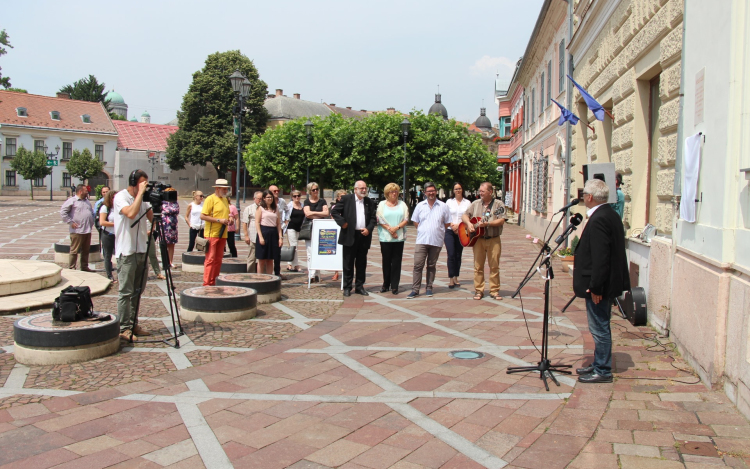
(200, 196)
(296, 196)
(313, 190)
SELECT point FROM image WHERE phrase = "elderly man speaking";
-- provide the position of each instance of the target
(600, 273)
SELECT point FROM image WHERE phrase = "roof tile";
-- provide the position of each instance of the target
(39, 107)
(140, 136)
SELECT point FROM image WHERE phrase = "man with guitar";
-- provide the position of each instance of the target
(481, 227)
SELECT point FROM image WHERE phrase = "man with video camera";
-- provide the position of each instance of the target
(131, 246)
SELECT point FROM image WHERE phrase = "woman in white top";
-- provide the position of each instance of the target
(457, 205)
(193, 218)
(106, 221)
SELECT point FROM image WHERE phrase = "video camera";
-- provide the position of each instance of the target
(157, 193)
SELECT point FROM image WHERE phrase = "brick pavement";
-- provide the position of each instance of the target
(316, 382)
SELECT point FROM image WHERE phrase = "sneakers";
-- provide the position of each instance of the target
(428, 292)
(411, 295)
(138, 330)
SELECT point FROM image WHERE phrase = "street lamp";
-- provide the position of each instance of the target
(51, 158)
(308, 130)
(241, 87)
(405, 124)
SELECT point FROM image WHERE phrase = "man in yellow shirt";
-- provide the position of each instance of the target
(216, 215)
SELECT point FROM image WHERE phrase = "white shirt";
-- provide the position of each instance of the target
(360, 206)
(457, 210)
(432, 221)
(129, 240)
(195, 216)
(591, 211)
(109, 217)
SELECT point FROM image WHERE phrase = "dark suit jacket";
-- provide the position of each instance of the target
(346, 212)
(600, 262)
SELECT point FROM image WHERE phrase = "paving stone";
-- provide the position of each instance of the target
(338, 453)
(637, 450)
(84, 448)
(173, 453)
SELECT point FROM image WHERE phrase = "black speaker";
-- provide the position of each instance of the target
(633, 306)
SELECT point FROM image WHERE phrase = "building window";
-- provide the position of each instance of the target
(99, 152)
(55, 115)
(39, 146)
(10, 178)
(533, 104)
(505, 126)
(21, 111)
(38, 182)
(562, 65)
(10, 148)
(67, 150)
(549, 83)
(66, 180)
(541, 97)
(86, 119)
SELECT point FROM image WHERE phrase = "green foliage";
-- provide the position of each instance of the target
(341, 151)
(30, 165)
(4, 41)
(87, 89)
(17, 90)
(574, 244)
(83, 165)
(116, 117)
(206, 133)
(565, 252)
(98, 191)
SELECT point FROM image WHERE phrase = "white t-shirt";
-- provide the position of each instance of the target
(129, 240)
(110, 217)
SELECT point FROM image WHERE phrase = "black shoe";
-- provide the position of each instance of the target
(347, 293)
(361, 291)
(585, 371)
(395, 291)
(594, 378)
(383, 289)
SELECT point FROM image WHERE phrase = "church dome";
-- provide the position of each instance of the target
(145, 114)
(438, 108)
(483, 122)
(133, 119)
(115, 98)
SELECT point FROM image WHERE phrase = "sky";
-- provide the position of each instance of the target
(367, 55)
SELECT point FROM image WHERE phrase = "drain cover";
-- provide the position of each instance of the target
(466, 354)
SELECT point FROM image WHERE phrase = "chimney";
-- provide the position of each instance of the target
(391, 110)
(349, 107)
(332, 105)
(363, 110)
(296, 95)
(62, 95)
(271, 96)
(279, 92)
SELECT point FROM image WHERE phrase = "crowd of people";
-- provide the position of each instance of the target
(601, 272)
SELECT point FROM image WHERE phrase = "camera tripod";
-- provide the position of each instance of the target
(544, 366)
(158, 234)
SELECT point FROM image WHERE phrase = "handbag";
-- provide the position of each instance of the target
(305, 231)
(200, 244)
(287, 253)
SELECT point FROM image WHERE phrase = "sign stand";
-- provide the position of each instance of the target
(326, 253)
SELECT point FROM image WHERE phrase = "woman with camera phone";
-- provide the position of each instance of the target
(269, 241)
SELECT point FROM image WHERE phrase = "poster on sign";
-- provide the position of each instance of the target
(325, 251)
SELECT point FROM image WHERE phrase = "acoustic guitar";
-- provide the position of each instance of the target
(468, 238)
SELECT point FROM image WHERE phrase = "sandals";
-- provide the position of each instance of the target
(496, 296)
(478, 295)
(451, 284)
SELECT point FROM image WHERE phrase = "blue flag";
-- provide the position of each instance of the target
(595, 107)
(566, 115)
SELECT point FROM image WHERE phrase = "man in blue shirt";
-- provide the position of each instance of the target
(619, 206)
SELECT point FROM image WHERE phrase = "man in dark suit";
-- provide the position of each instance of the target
(355, 214)
(600, 274)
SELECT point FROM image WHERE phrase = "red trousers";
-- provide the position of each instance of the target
(214, 256)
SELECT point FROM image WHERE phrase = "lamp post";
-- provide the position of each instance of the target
(241, 86)
(51, 158)
(405, 124)
(308, 130)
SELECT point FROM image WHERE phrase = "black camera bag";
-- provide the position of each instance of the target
(73, 304)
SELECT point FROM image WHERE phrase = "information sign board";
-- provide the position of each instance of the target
(325, 251)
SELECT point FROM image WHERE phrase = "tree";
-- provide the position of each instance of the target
(4, 41)
(342, 151)
(17, 90)
(83, 165)
(30, 165)
(206, 126)
(87, 89)
(116, 117)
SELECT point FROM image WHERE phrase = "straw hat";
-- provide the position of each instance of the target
(221, 183)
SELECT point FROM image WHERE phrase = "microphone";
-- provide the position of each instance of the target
(572, 203)
(575, 220)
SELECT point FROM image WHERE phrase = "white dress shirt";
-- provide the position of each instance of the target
(432, 221)
(360, 206)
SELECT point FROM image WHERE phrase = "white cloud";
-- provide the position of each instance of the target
(493, 64)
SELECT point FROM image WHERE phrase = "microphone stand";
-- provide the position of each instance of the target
(544, 366)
